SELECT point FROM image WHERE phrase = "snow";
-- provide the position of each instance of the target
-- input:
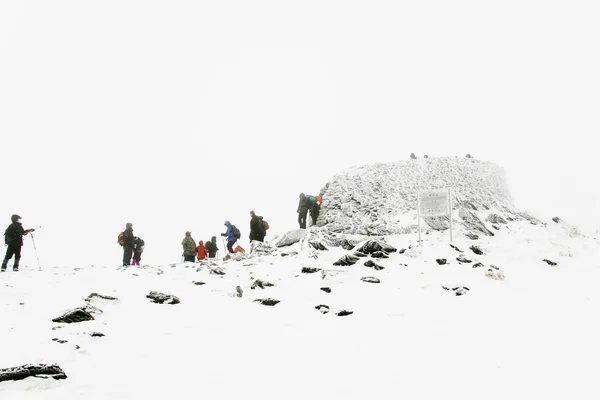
(532, 335)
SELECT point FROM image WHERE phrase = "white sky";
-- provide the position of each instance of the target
(178, 115)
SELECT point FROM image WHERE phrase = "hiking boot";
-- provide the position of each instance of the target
(2, 269)
(16, 269)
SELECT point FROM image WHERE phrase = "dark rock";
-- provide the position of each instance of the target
(471, 236)
(80, 314)
(556, 219)
(97, 334)
(61, 341)
(346, 260)
(322, 308)
(267, 302)
(456, 248)
(326, 289)
(99, 296)
(496, 219)
(374, 265)
(261, 284)
(318, 246)
(441, 261)
(401, 251)
(463, 259)
(370, 279)
(217, 271)
(472, 221)
(310, 270)
(37, 370)
(374, 246)
(199, 283)
(289, 253)
(161, 298)
(496, 227)
(494, 267)
(477, 265)
(238, 291)
(549, 262)
(359, 254)
(459, 290)
(344, 313)
(476, 250)
(380, 254)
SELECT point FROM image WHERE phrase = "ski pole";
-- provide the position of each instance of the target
(36, 253)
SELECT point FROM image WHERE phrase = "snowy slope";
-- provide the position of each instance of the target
(532, 335)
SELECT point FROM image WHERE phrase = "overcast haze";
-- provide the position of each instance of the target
(178, 115)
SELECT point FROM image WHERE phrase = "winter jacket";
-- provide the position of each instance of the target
(139, 245)
(14, 234)
(189, 246)
(257, 228)
(229, 232)
(129, 238)
(212, 248)
(302, 205)
(202, 251)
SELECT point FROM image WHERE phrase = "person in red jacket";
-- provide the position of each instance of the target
(202, 252)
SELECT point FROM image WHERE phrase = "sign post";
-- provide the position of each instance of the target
(434, 203)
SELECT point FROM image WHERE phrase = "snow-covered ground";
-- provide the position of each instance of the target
(532, 335)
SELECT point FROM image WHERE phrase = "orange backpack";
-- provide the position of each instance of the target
(319, 200)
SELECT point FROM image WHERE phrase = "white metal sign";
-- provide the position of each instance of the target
(434, 203)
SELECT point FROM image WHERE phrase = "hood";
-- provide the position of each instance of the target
(14, 218)
(129, 225)
(201, 243)
(227, 223)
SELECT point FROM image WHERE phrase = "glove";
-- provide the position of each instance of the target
(223, 234)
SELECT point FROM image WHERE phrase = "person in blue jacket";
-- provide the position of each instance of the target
(232, 234)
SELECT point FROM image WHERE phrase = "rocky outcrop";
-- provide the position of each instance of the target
(291, 237)
(161, 298)
(36, 370)
(346, 260)
(80, 314)
(267, 302)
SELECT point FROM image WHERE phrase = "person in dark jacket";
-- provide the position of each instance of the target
(231, 239)
(257, 228)
(189, 247)
(129, 244)
(13, 238)
(138, 249)
(302, 211)
(211, 247)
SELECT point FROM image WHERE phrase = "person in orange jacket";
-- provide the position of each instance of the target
(202, 252)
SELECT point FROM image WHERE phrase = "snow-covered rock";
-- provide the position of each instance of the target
(291, 237)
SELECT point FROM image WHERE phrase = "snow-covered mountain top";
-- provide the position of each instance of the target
(381, 199)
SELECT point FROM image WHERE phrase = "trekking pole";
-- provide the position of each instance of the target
(36, 253)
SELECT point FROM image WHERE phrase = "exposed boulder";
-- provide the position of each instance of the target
(551, 263)
(344, 313)
(463, 259)
(261, 248)
(326, 289)
(456, 248)
(346, 260)
(80, 314)
(238, 291)
(261, 284)
(291, 237)
(374, 246)
(317, 245)
(478, 265)
(442, 261)
(310, 270)
(370, 279)
(360, 254)
(458, 290)
(476, 250)
(217, 271)
(380, 254)
(472, 221)
(471, 236)
(36, 370)
(267, 302)
(495, 219)
(322, 308)
(95, 296)
(97, 334)
(374, 265)
(199, 283)
(161, 298)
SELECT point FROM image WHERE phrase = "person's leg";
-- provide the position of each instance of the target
(230, 246)
(9, 253)
(127, 252)
(303, 220)
(17, 252)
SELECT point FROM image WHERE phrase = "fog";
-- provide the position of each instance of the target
(180, 115)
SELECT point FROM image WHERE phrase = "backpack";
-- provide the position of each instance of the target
(121, 239)
(312, 200)
(236, 232)
(319, 200)
(265, 225)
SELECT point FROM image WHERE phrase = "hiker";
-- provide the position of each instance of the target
(257, 228)
(412, 156)
(202, 251)
(138, 249)
(314, 205)
(127, 240)
(189, 247)
(232, 234)
(13, 238)
(302, 211)
(211, 247)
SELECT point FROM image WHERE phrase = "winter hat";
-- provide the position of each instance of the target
(213, 239)
(301, 195)
(252, 213)
(129, 225)
(15, 217)
(188, 233)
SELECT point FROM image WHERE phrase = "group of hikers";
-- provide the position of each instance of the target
(133, 246)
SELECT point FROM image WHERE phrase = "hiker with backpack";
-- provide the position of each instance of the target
(202, 251)
(257, 227)
(232, 234)
(127, 240)
(138, 249)
(302, 211)
(189, 247)
(211, 247)
(13, 238)
(314, 206)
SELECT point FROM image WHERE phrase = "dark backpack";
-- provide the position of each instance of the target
(311, 200)
(236, 232)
